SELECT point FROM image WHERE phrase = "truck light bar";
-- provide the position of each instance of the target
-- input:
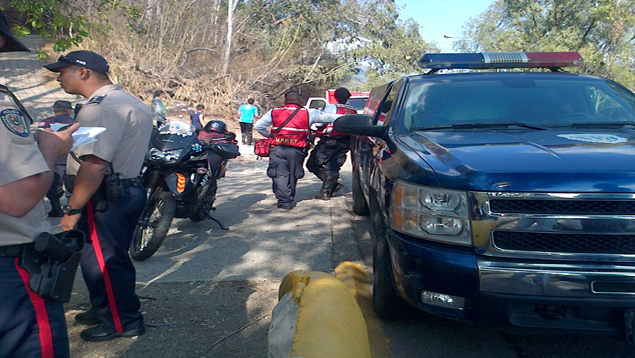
(488, 60)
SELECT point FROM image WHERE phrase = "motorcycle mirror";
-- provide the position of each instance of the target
(230, 136)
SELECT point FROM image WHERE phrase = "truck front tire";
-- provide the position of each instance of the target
(386, 302)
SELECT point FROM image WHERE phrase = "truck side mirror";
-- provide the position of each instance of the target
(358, 124)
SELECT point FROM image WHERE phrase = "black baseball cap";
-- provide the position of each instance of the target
(62, 104)
(87, 59)
(12, 44)
(342, 93)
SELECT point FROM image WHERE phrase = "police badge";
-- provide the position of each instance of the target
(15, 121)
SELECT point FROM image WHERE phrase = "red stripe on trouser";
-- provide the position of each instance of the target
(92, 229)
(44, 327)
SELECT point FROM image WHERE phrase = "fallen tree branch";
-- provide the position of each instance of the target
(195, 49)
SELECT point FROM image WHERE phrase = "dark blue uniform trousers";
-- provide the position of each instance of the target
(326, 159)
(30, 326)
(285, 168)
(106, 266)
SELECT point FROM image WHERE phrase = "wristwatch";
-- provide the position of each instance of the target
(69, 210)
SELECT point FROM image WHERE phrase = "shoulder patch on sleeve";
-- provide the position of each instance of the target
(97, 99)
(15, 121)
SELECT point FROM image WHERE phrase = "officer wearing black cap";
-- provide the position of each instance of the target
(329, 154)
(107, 195)
(30, 326)
(62, 111)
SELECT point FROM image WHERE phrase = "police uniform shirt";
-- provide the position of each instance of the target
(19, 158)
(128, 123)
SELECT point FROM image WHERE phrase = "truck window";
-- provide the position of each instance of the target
(385, 107)
(358, 103)
(541, 102)
(317, 104)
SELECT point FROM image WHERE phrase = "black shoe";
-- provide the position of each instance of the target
(285, 206)
(87, 318)
(101, 334)
(323, 195)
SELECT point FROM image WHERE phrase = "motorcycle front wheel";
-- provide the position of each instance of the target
(153, 226)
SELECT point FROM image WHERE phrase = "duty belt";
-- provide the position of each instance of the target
(127, 183)
(11, 250)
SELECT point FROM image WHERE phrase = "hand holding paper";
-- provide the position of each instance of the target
(83, 135)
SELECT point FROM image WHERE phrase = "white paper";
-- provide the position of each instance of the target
(86, 135)
(83, 136)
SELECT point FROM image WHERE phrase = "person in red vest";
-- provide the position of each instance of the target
(287, 157)
(329, 154)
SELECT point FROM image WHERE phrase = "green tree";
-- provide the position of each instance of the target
(601, 30)
(52, 19)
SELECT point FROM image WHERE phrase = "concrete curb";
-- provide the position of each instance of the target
(317, 317)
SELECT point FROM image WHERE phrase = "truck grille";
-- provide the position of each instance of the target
(565, 242)
(564, 207)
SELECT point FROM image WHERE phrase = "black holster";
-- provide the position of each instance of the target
(99, 199)
(52, 262)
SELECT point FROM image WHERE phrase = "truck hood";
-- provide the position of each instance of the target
(552, 160)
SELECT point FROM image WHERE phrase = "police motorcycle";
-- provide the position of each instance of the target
(180, 173)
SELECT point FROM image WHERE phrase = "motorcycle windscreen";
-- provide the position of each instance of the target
(174, 135)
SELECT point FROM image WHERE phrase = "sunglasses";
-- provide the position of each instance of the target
(74, 62)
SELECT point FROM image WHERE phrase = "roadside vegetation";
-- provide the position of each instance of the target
(220, 52)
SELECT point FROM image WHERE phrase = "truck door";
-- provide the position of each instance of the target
(372, 150)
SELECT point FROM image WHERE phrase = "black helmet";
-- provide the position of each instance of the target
(216, 126)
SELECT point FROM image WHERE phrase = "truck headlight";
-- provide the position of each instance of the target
(431, 213)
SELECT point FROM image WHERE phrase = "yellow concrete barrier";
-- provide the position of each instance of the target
(317, 317)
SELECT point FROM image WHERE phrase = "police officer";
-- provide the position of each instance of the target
(329, 154)
(30, 326)
(287, 157)
(62, 111)
(107, 195)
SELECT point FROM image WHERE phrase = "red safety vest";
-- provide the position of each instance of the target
(295, 132)
(327, 130)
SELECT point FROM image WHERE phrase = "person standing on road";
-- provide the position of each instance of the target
(30, 326)
(107, 194)
(62, 111)
(158, 108)
(247, 113)
(198, 118)
(329, 154)
(287, 157)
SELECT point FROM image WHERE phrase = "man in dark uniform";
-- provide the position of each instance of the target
(108, 220)
(287, 157)
(30, 326)
(329, 154)
(62, 111)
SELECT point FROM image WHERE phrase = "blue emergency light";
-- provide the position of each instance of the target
(490, 60)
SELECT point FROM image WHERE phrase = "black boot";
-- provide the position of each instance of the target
(324, 193)
(327, 188)
(56, 209)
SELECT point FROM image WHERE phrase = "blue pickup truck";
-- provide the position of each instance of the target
(502, 197)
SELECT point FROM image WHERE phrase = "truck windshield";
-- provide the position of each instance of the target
(530, 102)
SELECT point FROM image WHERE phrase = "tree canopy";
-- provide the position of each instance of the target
(603, 31)
(180, 45)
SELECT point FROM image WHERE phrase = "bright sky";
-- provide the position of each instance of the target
(441, 17)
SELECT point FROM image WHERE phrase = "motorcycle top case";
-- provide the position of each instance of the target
(225, 150)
